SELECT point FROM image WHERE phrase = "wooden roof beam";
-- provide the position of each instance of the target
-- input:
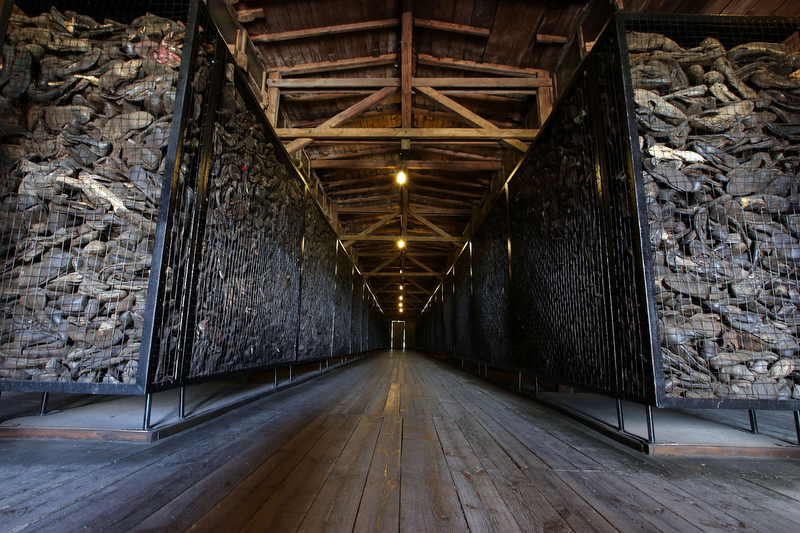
(404, 274)
(344, 116)
(409, 238)
(487, 68)
(472, 118)
(470, 166)
(451, 134)
(377, 83)
(430, 224)
(451, 27)
(379, 224)
(324, 31)
(419, 209)
(335, 66)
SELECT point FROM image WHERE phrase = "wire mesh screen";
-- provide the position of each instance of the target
(491, 312)
(462, 303)
(319, 279)
(342, 301)
(448, 314)
(248, 272)
(716, 104)
(622, 199)
(87, 108)
(356, 336)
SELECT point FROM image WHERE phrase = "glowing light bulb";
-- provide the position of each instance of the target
(401, 177)
(401, 287)
(401, 298)
(401, 244)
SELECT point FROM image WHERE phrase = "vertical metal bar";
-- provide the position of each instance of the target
(519, 381)
(651, 430)
(182, 402)
(276, 376)
(158, 267)
(43, 409)
(536, 386)
(5, 15)
(290, 373)
(753, 421)
(148, 407)
(620, 416)
(797, 425)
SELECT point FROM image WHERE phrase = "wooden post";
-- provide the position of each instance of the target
(545, 101)
(273, 100)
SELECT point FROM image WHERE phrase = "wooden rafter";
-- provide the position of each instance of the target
(342, 117)
(430, 224)
(404, 274)
(420, 264)
(385, 264)
(335, 66)
(407, 164)
(472, 118)
(451, 27)
(455, 153)
(322, 31)
(488, 68)
(451, 134)
(419, 209)
(375, 83)
(409, 238)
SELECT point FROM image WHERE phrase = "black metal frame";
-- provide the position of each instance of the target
(145, 384)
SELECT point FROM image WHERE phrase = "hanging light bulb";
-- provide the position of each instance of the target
(401, 244)
(401, 298)
(401, 177)
(401, 287)
(401, 309)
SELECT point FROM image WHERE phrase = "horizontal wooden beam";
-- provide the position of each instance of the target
(550, 39)
(409, 238)
(379, 210)
(335, 66)
(452, 134)
(407, 164)
(404, 274)
(324, 31)
(488, 68)
(376, 83)
(451, 27)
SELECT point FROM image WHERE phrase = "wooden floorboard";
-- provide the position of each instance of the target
(397, 442)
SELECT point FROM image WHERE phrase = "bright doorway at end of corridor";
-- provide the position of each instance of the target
(398, 335)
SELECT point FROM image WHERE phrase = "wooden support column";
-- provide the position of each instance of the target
(545, 100)
(273, 100)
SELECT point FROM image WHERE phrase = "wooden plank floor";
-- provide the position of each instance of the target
(395, 443)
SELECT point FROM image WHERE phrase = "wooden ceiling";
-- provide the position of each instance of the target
(450, 91)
